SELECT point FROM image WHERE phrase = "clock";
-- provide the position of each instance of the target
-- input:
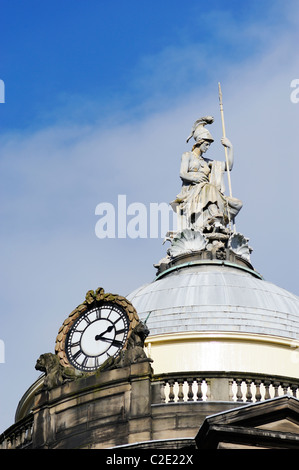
(96, 336)
(98, 329)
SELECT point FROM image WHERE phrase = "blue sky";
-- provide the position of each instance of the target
(93, 56)
(99, 100)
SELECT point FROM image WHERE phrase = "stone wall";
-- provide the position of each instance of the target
(98, 411)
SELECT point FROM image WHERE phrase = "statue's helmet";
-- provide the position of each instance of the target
(199, 132)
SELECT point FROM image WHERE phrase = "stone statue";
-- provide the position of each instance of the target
(134, 351)
(202, 202)
(55, 373)
(205, 215)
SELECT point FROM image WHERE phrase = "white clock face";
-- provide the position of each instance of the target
(96, 336)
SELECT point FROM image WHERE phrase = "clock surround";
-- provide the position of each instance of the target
(109, 317)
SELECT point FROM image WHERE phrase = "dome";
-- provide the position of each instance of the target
(220, 297)
(216, 315)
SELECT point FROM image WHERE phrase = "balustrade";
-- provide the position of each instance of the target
(19, 435)
(186, 388)
(215, 386)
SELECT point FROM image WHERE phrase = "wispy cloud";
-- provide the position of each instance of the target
(53, 177)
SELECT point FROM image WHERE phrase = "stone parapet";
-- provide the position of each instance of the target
(132, 407)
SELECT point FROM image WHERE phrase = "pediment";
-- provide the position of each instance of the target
(270, 424)
(283, 425)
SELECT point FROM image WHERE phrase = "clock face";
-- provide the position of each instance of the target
(97, 335)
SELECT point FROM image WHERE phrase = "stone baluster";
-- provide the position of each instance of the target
(190, 389)
(181, 392)
(30, 432)
(162, 390)
(208, 394)
(267, 384)
(22, 435)
(239, 394)
(294, 390)
(230, 393)
(276, 387)
(199, 393)
(285, 387)
(248, 392)
(258, 395)
(171, 390)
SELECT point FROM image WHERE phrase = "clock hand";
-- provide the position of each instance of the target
(110, 328)
(114, 342)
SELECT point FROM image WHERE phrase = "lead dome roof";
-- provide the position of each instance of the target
(216, 297)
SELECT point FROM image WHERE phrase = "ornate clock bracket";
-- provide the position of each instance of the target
(57, 367)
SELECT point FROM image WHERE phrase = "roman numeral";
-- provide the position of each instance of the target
(98, 314)
(77, 354)
(118, 332)
(111, 310)
(84, 362)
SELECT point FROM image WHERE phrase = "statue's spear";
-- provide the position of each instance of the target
(223, 131)
(225, 149)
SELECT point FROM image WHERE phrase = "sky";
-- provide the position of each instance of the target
(99, 99)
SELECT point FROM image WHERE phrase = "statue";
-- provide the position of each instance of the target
(205, 215)
(55, 373)
(134, 351)
(201, 202)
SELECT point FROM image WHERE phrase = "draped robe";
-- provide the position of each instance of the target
(202, 196)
